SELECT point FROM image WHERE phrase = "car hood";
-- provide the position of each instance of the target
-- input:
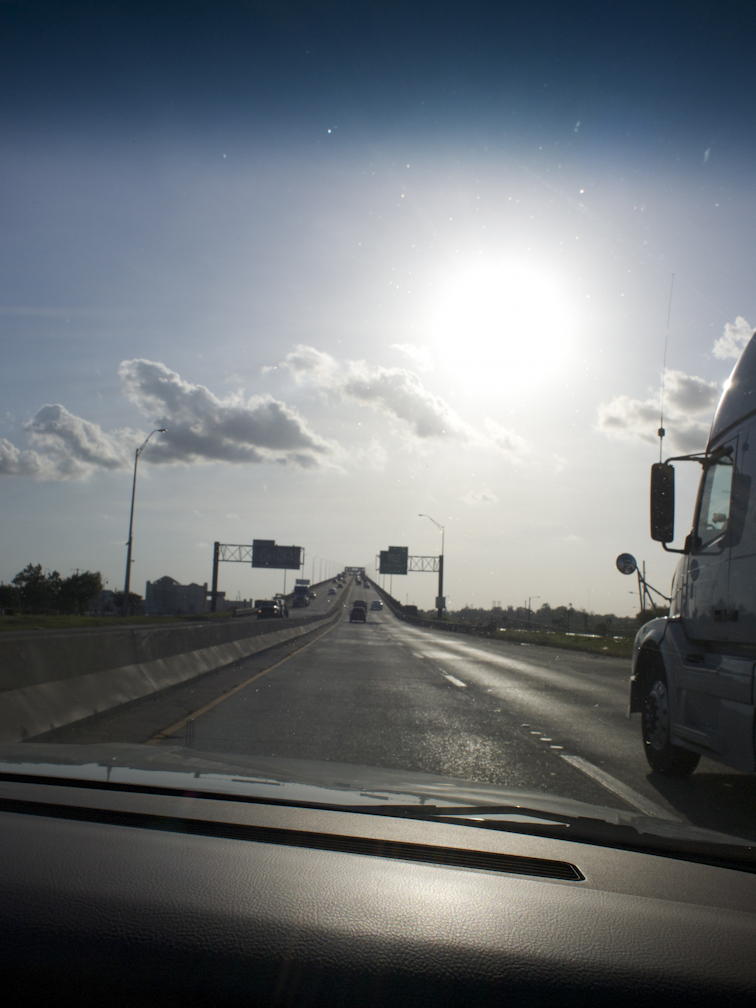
(325, 785)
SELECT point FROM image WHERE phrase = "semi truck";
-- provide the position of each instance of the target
(301, 595)
(692, 678)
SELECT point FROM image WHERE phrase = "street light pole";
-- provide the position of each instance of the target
(530, 598)
(127, 579)
(440, 600)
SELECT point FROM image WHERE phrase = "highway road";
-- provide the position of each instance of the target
(322, 602)
(386, 694)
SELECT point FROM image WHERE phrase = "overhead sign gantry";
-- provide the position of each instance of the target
(393, 560)
(396, 560)
(263, 553)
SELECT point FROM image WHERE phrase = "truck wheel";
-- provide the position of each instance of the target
(662, 756)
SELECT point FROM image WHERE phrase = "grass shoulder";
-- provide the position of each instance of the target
(615, 647)
(59, 621)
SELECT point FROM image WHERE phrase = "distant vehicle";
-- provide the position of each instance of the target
(281, 599)
(358, 614)
(331, 591)
(301, 596)
(269, 609)
(313, 594)
(376, 604)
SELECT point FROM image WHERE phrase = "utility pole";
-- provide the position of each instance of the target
(214, 588)
(127, 579)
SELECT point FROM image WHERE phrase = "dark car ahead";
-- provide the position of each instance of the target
(269, 609)
(358, 614)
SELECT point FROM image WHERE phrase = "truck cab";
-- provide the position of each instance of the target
(693, 672)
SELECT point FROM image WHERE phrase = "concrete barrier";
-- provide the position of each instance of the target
(52, 679)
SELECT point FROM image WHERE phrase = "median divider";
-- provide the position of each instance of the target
(50, 679)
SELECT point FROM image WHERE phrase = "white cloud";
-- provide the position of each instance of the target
(735, 336)
(688, 394)
(61, 434)
(689, 401)
(510, 444)
(201, 427)
(399, 394)
(393, 391)
(475, 498)
(689, 405)
(15, 462)
(64, 446)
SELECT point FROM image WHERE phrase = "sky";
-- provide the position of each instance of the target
(366, 261)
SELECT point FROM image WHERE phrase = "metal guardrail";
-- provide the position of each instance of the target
(399, 611)
(459, 628)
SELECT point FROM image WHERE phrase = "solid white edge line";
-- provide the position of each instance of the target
(453, 681)
(627, 794)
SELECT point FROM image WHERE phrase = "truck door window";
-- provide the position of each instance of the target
(714, 513)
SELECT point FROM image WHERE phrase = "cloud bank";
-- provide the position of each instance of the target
(398, 394)
(735, 336)
(204, 427)
(201, 427)
(63, 446)
(689, 401)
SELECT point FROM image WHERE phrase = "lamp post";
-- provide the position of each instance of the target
(530, 598)
(440, 600)
(127, 579)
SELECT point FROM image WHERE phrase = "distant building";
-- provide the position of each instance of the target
(166, 597)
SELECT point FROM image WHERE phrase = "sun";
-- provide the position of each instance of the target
(504, 324)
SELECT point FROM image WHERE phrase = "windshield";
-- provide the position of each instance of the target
(348, 304)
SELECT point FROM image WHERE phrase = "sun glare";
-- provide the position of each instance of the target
(503, 324)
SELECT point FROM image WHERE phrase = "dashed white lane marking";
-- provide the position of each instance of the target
(627, 794)
(606, 780)
(454, 681)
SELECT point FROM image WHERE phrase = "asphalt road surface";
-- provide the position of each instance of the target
(386, 694)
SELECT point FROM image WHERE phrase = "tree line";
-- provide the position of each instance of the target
(565, 619)
(34, 590)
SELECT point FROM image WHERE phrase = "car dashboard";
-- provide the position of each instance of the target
(126, 895)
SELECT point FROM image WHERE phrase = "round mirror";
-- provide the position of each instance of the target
(626, 563)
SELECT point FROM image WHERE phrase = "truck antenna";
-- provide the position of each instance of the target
(661, 432)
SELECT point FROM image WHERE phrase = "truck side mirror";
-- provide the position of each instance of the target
(662, 502)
